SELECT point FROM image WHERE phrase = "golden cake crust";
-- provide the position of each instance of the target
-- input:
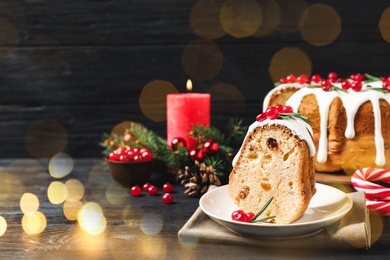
(345, 154)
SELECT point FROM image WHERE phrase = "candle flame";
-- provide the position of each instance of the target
(189, 85)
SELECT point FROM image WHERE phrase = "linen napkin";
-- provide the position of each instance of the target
(351, 232)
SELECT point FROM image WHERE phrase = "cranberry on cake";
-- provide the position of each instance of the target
(275, 160)
(351, 118)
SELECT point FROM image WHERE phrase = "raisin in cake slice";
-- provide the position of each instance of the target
(275, 160)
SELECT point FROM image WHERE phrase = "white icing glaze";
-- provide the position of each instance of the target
(298, 128)
(278, 88)
(352, 100)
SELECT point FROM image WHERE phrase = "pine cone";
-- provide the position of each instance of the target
(198, 182)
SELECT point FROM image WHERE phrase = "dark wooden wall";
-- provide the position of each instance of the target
(83, 64)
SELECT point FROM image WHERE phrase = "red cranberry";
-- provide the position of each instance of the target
(146, 186)
(346, 85)
(302, 79)
(272, 113)
(316, 78)
(152, 190)
(326, 85)
(261, 117)
(167, 187)
(167, 198)
(356, 86)
(291, 78)
(279, 108)
(332, 76)
(287, 110)
(136, 191)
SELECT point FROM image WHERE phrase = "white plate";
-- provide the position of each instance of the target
(327, 206)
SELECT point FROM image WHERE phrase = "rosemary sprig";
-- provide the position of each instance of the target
(254, 219)
(262, 219)
(294, 116)
(383, 90)
(333, 87)
(370, 78)
(338, 88)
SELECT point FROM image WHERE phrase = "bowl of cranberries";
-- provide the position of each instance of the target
(130, 165)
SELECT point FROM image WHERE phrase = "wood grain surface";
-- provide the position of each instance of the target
(137, 228)
(84, 63)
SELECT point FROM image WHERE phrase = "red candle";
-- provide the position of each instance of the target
(184, 111)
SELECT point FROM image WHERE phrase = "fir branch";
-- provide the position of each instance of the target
(235, 128)
(199, 133)
(174, 161)
(217, 135)
(219, 165)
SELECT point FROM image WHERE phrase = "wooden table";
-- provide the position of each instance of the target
(137, 228)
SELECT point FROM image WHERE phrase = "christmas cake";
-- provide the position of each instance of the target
(351, 118)
(275, 160)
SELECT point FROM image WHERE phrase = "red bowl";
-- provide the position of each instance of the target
(131, 173)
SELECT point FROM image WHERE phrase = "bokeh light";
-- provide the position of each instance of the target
(227, 99)
(241, 18)
(3, 225)
(34, 223)
(29, 203)
(152, 100)
(122, 237)
(151, 224)
(11, 190)
(291, 12)
(75, 190)
(116, 194)
(120, 128)
(71, 209)
(289, 61)
(91, 246)
(154, 247)
(60, 165)
(204, 19)
(188, 242)
(45, 138)
(8, 37)
(91, 219)
(95, 179)
(131, 212)
(202, 59)
(320, 25)
(384, 24)
(9, 9)
(57, 192)
(377, 226)
(29, 171)
(271, 18)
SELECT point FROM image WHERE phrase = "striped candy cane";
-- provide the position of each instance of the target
(381, 207)
(377, 196)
